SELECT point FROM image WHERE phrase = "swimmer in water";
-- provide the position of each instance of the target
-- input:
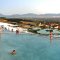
(13, 52)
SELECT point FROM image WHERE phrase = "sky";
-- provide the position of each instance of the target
(8, 7)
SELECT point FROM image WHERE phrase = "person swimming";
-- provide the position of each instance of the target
(13, 52)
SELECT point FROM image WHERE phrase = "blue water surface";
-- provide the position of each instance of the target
(28, 47)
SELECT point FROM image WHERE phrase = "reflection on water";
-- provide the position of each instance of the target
(29, 47)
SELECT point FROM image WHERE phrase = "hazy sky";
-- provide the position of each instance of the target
(29, 6)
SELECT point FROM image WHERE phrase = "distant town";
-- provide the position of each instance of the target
(42, 23)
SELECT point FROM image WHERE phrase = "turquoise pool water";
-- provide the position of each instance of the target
(28, 47)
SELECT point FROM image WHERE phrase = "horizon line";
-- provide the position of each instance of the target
(29, 13)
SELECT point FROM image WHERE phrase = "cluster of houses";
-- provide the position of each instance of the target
(32, 24)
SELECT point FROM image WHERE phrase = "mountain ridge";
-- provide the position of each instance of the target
(31, 15)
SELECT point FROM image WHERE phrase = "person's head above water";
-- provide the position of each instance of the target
(13, 52)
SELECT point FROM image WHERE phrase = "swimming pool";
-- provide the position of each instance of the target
(28, 47)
